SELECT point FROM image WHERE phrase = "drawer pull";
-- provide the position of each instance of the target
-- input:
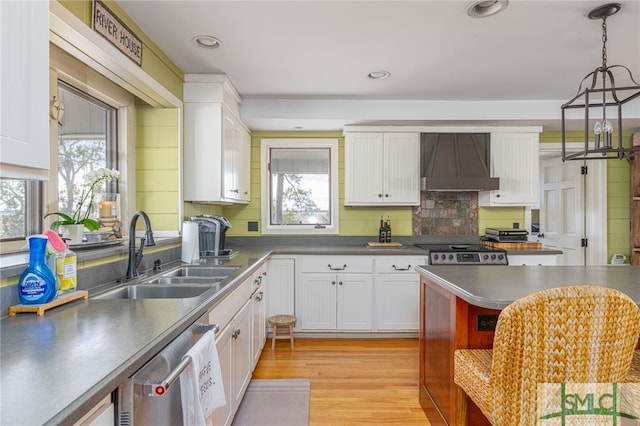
(338, 268)
(401, 269)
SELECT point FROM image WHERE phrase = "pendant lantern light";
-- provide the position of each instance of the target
(602, 98)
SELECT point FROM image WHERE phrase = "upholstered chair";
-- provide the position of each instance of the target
(576, 334)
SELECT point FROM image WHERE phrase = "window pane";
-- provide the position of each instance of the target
(300, 186)
(19, 209)
(84, 144)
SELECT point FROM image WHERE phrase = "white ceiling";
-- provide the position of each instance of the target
(304, 63)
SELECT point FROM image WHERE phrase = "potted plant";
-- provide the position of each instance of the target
(81, 214)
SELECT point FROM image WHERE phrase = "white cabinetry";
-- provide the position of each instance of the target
(217, 146)
(335, 293)
(533, 259)
(258, 314)
(281, 273)
(382, 169)
(102, 414)
(397, 290)
(234, 345)
(514, 159)
(24, 74)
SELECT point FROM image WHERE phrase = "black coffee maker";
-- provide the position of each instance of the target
(212, 230)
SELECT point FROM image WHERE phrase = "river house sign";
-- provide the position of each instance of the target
(105, 24)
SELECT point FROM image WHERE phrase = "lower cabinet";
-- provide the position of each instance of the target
(335, 301)
(236, 362)
(102, 414)
(241, 316)
(533, 259)
(397, 286)
(280, 292)
(259, 316)
(334, 293)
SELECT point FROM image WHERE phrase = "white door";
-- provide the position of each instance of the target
(562, 209)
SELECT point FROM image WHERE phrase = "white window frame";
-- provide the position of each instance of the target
(265, 146)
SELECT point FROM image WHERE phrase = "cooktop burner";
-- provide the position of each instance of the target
(464, 254)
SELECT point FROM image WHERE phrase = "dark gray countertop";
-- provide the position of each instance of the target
(495, 287)
(56, 367)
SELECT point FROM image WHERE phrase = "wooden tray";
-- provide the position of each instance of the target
(512, 245)
(377, 244)
(39, 309)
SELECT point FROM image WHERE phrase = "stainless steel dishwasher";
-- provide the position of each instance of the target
(152, 395)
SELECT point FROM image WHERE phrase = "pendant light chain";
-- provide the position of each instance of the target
(604, 42)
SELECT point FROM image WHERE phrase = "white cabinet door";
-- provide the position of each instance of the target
(242, 364)
(236, 146)
(223, 415)
(402, 168)
(258, 333)
(382, 169)
(316, 302)
(364, 168)
(515, 160)
(280, 291)
(24, 73)
(397, 291)
(354, 302)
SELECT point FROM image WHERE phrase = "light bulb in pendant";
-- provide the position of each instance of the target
(607, 130)
(597, 129)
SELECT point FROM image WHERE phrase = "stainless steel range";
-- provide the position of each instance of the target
(464, 254)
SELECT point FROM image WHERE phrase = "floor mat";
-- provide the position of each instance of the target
(275, 403)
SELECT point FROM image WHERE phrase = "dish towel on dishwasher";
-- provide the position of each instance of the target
(201, 389)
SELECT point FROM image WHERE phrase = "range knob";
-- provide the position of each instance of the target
(435, 257)
(493, 257)
(485, 256)
(450, 257)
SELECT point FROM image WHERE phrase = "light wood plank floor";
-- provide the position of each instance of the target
(353, 381)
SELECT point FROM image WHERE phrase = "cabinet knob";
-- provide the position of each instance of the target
(386, 195)
(379, 195)
(333, 283)
(339, 282)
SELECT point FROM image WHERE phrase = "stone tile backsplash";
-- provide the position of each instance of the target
(446, 213)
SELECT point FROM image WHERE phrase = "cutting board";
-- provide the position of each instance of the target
(512, 245)
(377, 244)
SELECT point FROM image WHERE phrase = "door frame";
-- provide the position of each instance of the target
(595, 192)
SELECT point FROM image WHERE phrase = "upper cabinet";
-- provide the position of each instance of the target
(382, 169)
(514, 159)
(217, 146)
(24, 71)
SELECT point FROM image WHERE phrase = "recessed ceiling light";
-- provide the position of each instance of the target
(379, 75)
(206, 42)
(483, 9)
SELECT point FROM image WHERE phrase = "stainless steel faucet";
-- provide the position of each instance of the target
(135, 257)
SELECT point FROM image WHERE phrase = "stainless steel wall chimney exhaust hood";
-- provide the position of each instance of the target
(456, 162)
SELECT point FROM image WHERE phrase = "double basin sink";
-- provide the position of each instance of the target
(180, 283)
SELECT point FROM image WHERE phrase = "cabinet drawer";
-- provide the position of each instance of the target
(342, 264)
(223, 313)
(398, 264)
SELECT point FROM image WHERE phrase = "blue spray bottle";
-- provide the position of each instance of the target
(37, 283)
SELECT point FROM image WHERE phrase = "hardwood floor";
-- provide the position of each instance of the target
(353, 381)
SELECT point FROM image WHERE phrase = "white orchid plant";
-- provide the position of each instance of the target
(81, 213)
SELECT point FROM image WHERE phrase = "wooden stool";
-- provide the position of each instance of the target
(282, 321)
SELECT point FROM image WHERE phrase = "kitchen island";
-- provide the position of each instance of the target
(459, 307)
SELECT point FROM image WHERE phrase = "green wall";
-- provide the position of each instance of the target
(154, 61)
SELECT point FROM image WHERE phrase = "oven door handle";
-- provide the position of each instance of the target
(151, 388)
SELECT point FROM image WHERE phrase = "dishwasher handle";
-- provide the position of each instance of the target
(151, 388)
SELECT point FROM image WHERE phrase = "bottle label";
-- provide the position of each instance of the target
(32, 287)
(67, 273)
